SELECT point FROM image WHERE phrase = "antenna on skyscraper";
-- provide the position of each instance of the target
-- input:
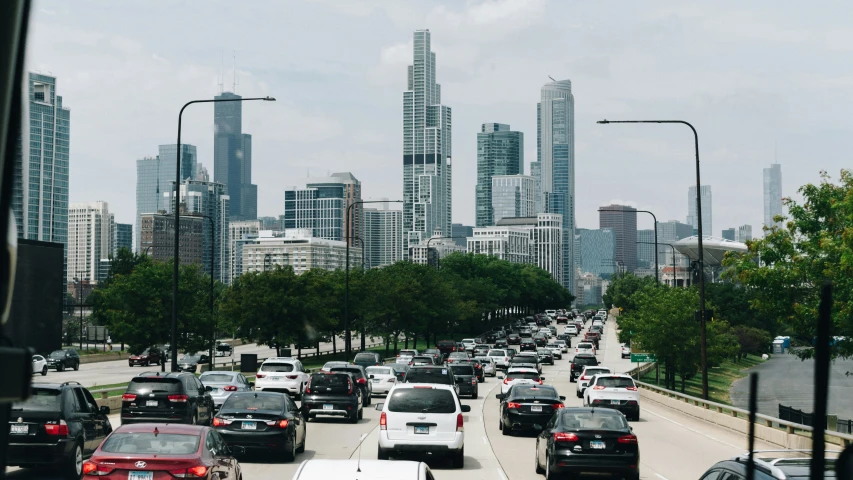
(221, 71)
(552, 78)
(235, 72)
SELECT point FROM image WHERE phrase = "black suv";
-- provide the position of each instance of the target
(438, 374)
(333, 393)
(580, 361)
(60, 425)
(362, 380)
(62, 359)
(368, 359)
(174, 397)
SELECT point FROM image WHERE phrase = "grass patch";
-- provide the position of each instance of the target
(720, 379)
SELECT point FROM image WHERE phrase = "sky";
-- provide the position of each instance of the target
(761, 81)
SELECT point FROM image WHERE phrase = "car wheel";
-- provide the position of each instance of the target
(353, 418)
(368, 399)
(536, 460)
(194, 419)
(44, 370)
(290, 449)
(60, 367)
(382, 454)
(506, 430)
(361, 414)
(73, 465)
(77, 366)
(459, 458)
(578, 393)
(549, 475)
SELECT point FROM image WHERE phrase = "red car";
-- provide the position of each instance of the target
(149, 451)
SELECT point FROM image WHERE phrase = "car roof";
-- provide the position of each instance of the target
(280, 360)
(434, 386)
(161, 375)
(219, 372)
(161, 428)
(358, 469)
(522, 370)
(585, 355)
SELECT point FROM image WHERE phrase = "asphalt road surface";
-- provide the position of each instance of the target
(673, 446)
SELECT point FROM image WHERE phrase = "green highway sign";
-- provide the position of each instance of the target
(643, 358)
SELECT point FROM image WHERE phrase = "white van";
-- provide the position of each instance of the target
(353, 470)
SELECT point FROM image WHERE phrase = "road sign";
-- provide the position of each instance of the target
(643, 358)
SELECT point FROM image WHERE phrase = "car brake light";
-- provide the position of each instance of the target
(283, 423)
(128, 397)
(513, 405)
(361, 381)
(598, 387)
(230, 388)
(633, 389)
(197, 471)
(178, 398)
(383, 422)
(540, 381)
(392, 380)
(558, 406)
(220, 422)
(92, 468)
(292, 377)
(60, 428)
(565, 437)
(308, 386)
(628, 439)
(459, 423)
(507, 380)
(473, 381)
(349, 387)
(260, 375)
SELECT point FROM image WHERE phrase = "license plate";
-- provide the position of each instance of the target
(250, 426)
(20, 429)
(597, 445)
(140, 476)
(275, 378)
(376, 380)
(421, 430)
(328, 406)
(614, 402)
(150, 403)
(536, 408)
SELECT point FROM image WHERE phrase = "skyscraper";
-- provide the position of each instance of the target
(383, 236)
(512, 196)
(646, 248)
(772, 194)
(321, 206)
(536, 173)
(239, 234)
(623, 220)
(729, 234)
(427, 155)
(692, 218)
(124, 236)
(669, 233)
(156, 176)
(744, 233)
(458, 230)
(556, 152)
(500, 151)
(91, 238)
(40, 176)
(597, 251)
(232, 157)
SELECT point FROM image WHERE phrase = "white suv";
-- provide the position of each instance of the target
(282, 374)
(501, 357)
(586, 376)
(585, 347)
(616, 391)
(422, 418)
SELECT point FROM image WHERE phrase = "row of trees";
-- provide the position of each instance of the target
(468, 294)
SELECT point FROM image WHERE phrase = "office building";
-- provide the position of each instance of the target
(773, 195)
(546, 240)
(646, 248)
(692, 217)
(623, 220)
(91, 238)
(124, 236)
(427, 154)
(431, 250)
(500, 151)
(155, 176)
(536, 173)
(240, 233)
(669, 233)
(597, 251)
(506, 243)
(270, 223)
(729, 234)
(460, 233)
(157, 238)
(744, 233)
(590, 291)
(556, 152)
(298, 249)
(383, 236)
(321, 206)
(512, 196)
(232, 157)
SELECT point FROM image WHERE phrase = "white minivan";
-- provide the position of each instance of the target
(422, 418)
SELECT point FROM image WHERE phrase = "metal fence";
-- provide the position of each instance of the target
(791, 414)
(844, 426)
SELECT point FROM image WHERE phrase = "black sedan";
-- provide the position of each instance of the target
(528, 407)
(527, 345)
(586, 440)
(190, 363)
(262, 421)
(546, 356)
(513, 339)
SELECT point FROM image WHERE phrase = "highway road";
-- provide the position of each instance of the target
(672, 445)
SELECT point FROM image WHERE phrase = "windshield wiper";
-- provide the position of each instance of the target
(429, 409)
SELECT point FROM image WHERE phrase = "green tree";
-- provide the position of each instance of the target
(751, 340)
(620, 292)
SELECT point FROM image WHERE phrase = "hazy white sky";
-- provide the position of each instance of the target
(759, 80)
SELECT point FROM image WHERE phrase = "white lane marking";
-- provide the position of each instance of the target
(694, 430)
(485, 440)
(501, 473)
(661, 476)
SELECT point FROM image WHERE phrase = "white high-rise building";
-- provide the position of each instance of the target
(426, 150)
(513, 196)
(743, 233)
(383, 236)
(240, 233)
(692, 217)
(772, 194)
(546, 240)
(507, 243)
(91, 238)
(298, 249)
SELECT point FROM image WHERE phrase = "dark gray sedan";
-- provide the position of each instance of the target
(223, 384)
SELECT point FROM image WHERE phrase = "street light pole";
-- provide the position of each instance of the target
(177, 207)
(212, 260)
(361, 240)
(657, 275)
(701, 249)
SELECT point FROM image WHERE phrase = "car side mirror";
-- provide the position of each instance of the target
(379, 406)
(541, 378)
(466, 408)
(500, 396)
(370, 376)
(208, 388)
(105, 410)
(251, 384)
(562, 397)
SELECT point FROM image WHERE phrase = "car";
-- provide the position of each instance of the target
(526, 407)
(400, 371)
(480, 350)
(511, 352)
(562, 319)
(406, 356)
(147, 356)
(469, 344)
(362, 380)
(501, 357)
(223, 384)
(556, 351)
(382, 378)
(265, 421)
(585, 347)
(587, 440)
(466, 379)
(189, 362)
(334, 394)
(540, 340)
(163, 451)
(586, 375)
(501, 343)
(513, 339)
(553, 330)
(526, 359)
(616, 391)
(520, 376)
(435, 353)
(551, 313)
(527, 345)
(422, 419)
(368, 359)
(571, 329)
(446, 347)
(59, 426)
(39, 365)
(422, 360)
(490, 337)
(602, 313)
(324, 469)
(478, 369)
(769, 466)
(60, 360)
(593, 338)
(441, 375)
(458, 357)
(626, 351)
(490, 368)
(563, 344)
(544, 331)
(328, 366)
(283, 375)
(546, 356)
(224, 350)
(171, 397)
(579, 361)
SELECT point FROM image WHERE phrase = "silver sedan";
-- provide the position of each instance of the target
(223, 384)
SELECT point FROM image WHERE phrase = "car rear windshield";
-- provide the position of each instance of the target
(365, 357)
(446, 343)
(422, 359)
(57, 354)
(223, 348)
(41, 400)
(277, 367)
(429, 375)
(251, 401)
(356, 372)
(522, 375)
(527, 391)
(614, 382)
(422, 400)
(216, 378)
(337, 381)
(578, 360)
(596, 371)
(462, 369)
(379, 371)
(584, 345)
(145, 385)
(497, 353)
(151, 443)
(598, 419)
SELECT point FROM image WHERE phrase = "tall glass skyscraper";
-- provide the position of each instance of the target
(623, 220)
(512, 196)
(772, 194)
(500, 151)
(692, 217)
(321, 207)
(597, 251)
(156, 176)
(383, 233)
(124, 236)
(556, 153)
(426, 150)
(232, 157)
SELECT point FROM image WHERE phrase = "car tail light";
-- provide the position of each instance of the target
(221, 422)
(230, 388)
(283, 423)
(361, 381)
(398, 355)
(292, 377)
(473, 381)
(197, 471)
(459, 423)
(260, 375)
(383, 422)
(633, 389)
(178, 398)
(349, 387)
(128, 397)
(513, 405)
(565, 437)
(92, 468)
(558, 406)
(507, 380)
(308, 386)
(628, 439)
(598, 387)
(392, 380)
(60, 428)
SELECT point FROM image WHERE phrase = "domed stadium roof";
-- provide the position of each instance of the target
(714, 248)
